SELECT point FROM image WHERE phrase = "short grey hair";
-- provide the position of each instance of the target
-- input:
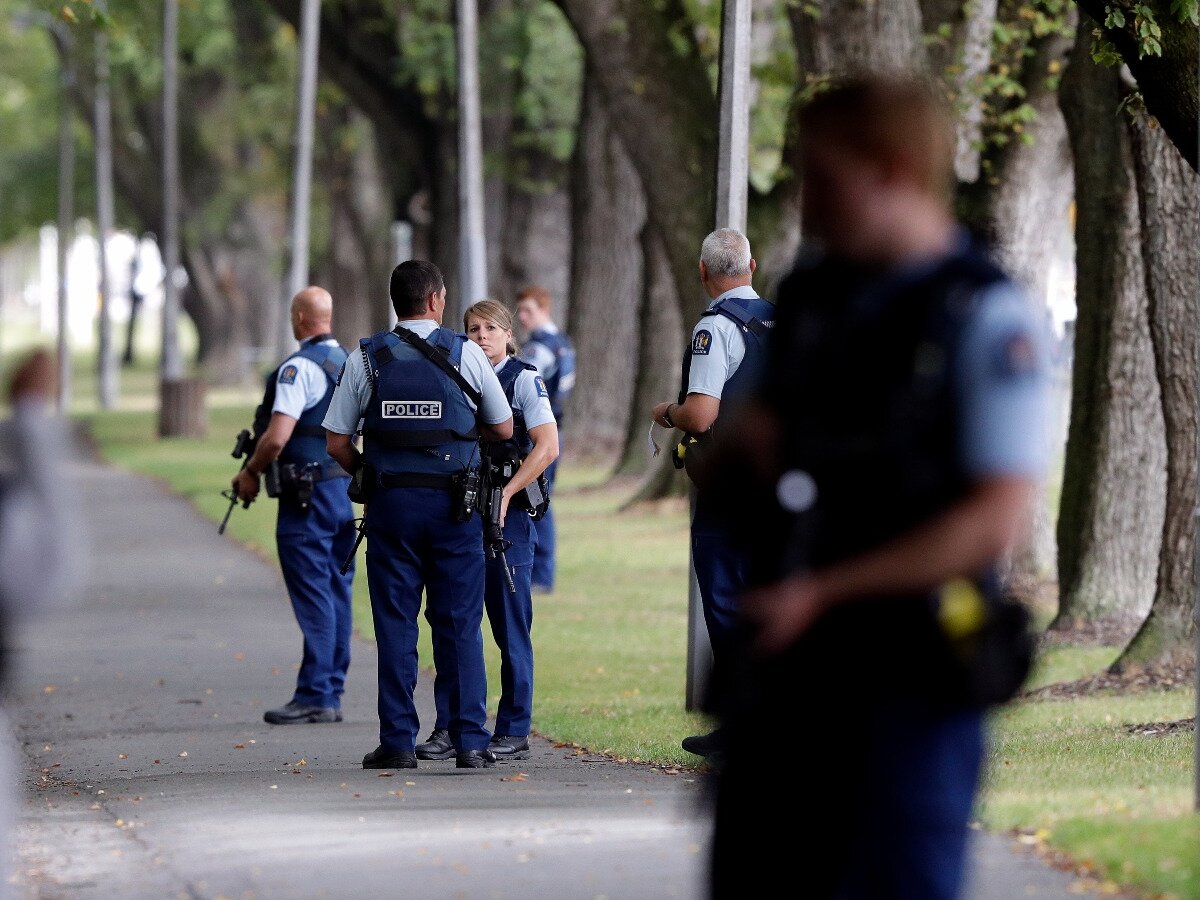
(726, 253)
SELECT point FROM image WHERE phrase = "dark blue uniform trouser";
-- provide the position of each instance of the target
(721, 573)
(312, 545)
(414, 543)
(544, 564)
(510, 615)
(872, 798)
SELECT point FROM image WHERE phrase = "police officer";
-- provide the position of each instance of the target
(725, 352)
(900, 428)
(314, 528)
(425, 397)
(533, 447)
(551, 352)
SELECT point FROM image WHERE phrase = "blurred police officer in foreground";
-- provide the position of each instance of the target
(507, 597)
(727, 348)
(425, 396)
(314, 529)
(897, 435)
(551, 352)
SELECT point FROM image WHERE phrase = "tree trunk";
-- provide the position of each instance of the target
(663, 338)
(661, 103)
(835, 37)
(1168, 82)
(1111, 515)
(1169, 191)
(608, 216)
(356, 263)
(1029, 220)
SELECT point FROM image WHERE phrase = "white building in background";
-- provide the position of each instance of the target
(29, 288)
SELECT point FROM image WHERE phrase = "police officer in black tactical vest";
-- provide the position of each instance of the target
(883, 467)
(720, 363)
(314, 529)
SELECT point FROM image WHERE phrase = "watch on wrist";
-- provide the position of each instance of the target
(667, 416)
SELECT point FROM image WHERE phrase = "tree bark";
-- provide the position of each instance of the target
(1169, 191)
(1169, 82)
(663, 338)
(662, 104)
(608, 217)
(837, 37)
(1028, 209)
(1111, 514)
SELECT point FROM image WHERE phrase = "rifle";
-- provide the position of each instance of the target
(494, 541)
(361, 532)
(243, 449)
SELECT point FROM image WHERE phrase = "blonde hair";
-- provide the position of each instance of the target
(496, 313)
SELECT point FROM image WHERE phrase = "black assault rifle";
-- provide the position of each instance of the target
(494, 541)
(243, 449)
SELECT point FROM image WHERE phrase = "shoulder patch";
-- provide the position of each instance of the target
(702, 343)
(541, 386)
(1017, 355)
(287, 375)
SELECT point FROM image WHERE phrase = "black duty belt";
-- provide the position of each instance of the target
(411, 479)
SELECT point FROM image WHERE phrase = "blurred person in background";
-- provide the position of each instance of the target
(550, 350)
(43, 548)
(888, 455)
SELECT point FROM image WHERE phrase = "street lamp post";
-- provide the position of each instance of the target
(472, 240)
(301, 199)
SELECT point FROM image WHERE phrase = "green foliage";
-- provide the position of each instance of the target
(1020, 25)
(1139, 23)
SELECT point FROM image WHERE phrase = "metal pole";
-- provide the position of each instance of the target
(107, 369)
(66, 214)
(472, 240)
(733, 180)
(172, 361)
(301, 201)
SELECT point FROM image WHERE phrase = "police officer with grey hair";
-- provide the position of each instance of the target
(726, 350)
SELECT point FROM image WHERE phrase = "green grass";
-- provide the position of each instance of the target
(611, 667)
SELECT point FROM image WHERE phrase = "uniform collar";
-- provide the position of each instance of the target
(741, 292)
(500, 365)
(316, 339)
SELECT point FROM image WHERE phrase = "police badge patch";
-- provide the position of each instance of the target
(287, 375)
(701, 343)
(541, 386)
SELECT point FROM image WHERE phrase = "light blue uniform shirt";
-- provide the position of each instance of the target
(353, 391)
(530, 397)
(1003, 378)
(538, 354)
(717, 349)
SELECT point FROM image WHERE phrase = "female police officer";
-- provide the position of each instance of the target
(532, 448)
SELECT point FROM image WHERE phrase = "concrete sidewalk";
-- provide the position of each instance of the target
(150, 773)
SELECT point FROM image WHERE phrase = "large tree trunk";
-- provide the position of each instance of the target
(663, 338)
(1168, 82)
(1169, 191)
(834, 37)
(1111, 515)
(608, 216)
(1028, 208)
(662, 105)
(357, 260)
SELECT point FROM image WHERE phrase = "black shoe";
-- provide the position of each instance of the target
(474, 759)
(509, 747)
(705, 744)
(436, 746)
(297, 713)
(384, 759)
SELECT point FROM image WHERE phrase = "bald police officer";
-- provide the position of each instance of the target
(314, 529)
(425, 397)
(725, 352)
